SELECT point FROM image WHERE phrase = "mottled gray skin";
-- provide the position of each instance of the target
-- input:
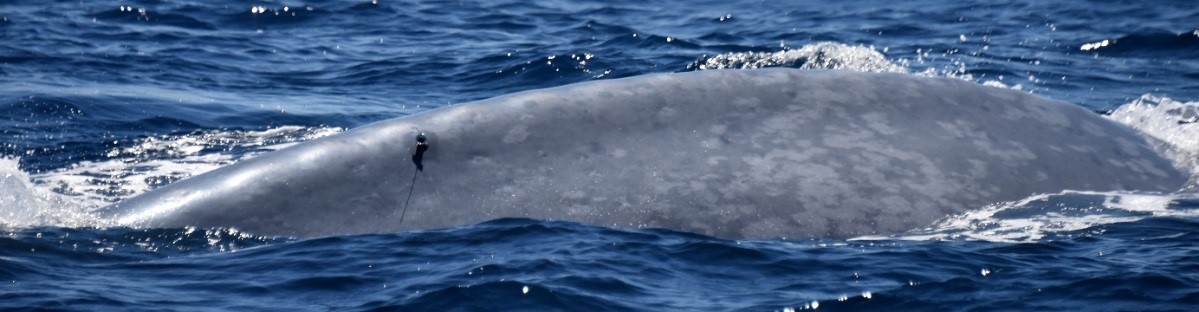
(733, 154)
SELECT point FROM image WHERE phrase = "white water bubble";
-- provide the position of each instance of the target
(1095, 45)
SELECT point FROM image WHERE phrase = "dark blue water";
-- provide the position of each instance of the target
(516, 264)
(102, 101)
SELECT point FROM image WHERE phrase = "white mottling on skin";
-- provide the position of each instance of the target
(1057, 120)
(575, 194)
(848, 137)
(978, 168)
(666, 112)
(1092, 128)
(1017, 112)
(747, 102)
(1150, 168)
(1082, 149)
(962, 129)
(516, 134)
(879, 123)
(620, 153)
(1051, 117)
(1007, 151)
(1013, 152)
(1128, 147)
(781, 124)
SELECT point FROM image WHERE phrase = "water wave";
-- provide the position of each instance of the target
(1173, 123)
(1052, 216)
(1147, 45)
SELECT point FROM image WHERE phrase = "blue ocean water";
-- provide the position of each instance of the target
(103, 101)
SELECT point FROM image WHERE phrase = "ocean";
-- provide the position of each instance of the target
(101, 101)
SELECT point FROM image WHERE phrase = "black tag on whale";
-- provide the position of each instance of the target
(422, 145)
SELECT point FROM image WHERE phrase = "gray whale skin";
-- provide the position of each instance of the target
(729, 153)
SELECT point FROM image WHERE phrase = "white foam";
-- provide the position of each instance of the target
(1174, 123)
(24, 205)
(1037, 217)
(835, 55)
(822, 55)
(1154, 204)
(154, 161)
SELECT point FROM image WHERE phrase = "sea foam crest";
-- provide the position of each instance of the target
(821, 55)
(835, 55)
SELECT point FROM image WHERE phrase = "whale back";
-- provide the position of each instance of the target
(735, 154)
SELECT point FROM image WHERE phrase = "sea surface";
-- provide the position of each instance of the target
(101, 101)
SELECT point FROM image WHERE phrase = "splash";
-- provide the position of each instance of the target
(822, 55)
(1175, 124)
(22, 204)
(155, 161)
(835, 55)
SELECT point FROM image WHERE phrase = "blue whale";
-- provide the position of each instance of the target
(727, 153)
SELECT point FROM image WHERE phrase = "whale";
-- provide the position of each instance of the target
(738, 154)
